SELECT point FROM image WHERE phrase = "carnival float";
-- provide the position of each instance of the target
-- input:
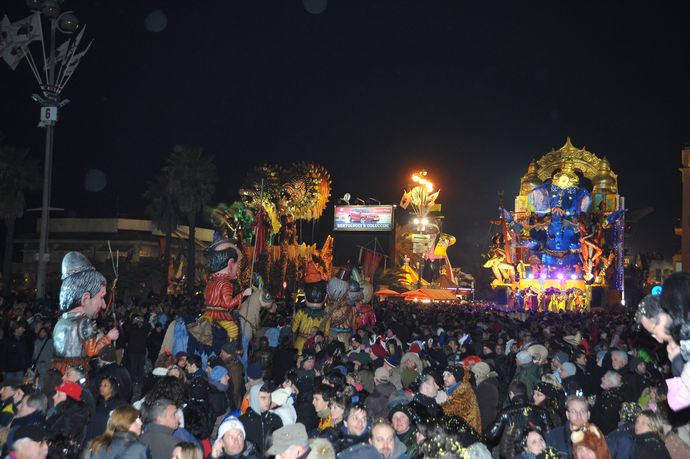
(561, 249)
(274, 200)
(422, 247)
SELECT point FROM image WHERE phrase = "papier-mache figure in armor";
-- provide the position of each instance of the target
(219, 298)
(82, 297)
(311, 315)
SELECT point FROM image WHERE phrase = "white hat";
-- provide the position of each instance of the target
(231, 423)
(281, 396)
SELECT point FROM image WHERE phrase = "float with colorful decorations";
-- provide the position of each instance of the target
(561, 249)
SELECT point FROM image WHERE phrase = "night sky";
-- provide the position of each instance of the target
(373, 90)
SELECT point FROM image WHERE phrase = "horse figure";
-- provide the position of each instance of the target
(177, 338)
(250, 315)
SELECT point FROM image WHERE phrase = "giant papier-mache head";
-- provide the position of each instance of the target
(78, 277)
(221, 251)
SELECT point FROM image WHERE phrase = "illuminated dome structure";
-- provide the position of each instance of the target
(561, 249)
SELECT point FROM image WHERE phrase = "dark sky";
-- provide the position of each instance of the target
(471, 91)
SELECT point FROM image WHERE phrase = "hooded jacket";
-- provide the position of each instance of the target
(377, 401)
(257, 425)
(528, 374)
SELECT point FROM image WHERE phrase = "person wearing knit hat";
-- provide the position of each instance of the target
(378, 351)
(411, 367)
(231, 440)
(523, 358)
(527, 371)
(462, 401)
(400, 418)
(392, 362)
(254, 371)
(218, 385)
(481, 371)
(559, 359)
(567, 369)
(486, 391)
(539, 353)
(376, 402)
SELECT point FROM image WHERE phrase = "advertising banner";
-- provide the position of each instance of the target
(363, 218)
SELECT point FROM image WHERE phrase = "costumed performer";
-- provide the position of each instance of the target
(75, 335)
(312, 314)
(220, 301)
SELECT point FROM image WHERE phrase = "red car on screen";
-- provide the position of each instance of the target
(363, 216)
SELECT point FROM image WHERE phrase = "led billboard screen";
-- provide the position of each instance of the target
(363, 218)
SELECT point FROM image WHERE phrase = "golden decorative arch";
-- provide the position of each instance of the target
(582, 160)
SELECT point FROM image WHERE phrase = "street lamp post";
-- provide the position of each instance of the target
(58, 67)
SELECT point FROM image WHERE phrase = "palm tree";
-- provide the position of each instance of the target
(164, 215)
(192, 181)
(19, 173)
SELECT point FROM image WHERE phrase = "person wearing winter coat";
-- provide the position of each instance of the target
(121, 437)
(162, 421)
(527, 371)
(401, 420)
(108, 400)
(258, 421)
(608, 404)
(282, 405)
(383, 438)
(16, 353)
(516, 419)
(462, 400)
(423, 403)
(621, 441)
(411, 366)
(69, 415)
(31, 410)
(376, 402)
(304, 407)
(219, 392)
(486, 392)
(549, 397)
(649, 434)
(356, 428)
(231, 442)
(577, 414)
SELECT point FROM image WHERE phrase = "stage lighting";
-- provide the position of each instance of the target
(560, 276)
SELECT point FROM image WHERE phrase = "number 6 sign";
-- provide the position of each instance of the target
(49, 114)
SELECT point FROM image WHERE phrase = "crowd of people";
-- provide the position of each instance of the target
(432, 381)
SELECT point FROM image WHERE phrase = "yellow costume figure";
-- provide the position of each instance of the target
(312, 314)
(553, 303)
(306, 319)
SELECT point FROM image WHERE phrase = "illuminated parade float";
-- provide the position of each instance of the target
(561, 249)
